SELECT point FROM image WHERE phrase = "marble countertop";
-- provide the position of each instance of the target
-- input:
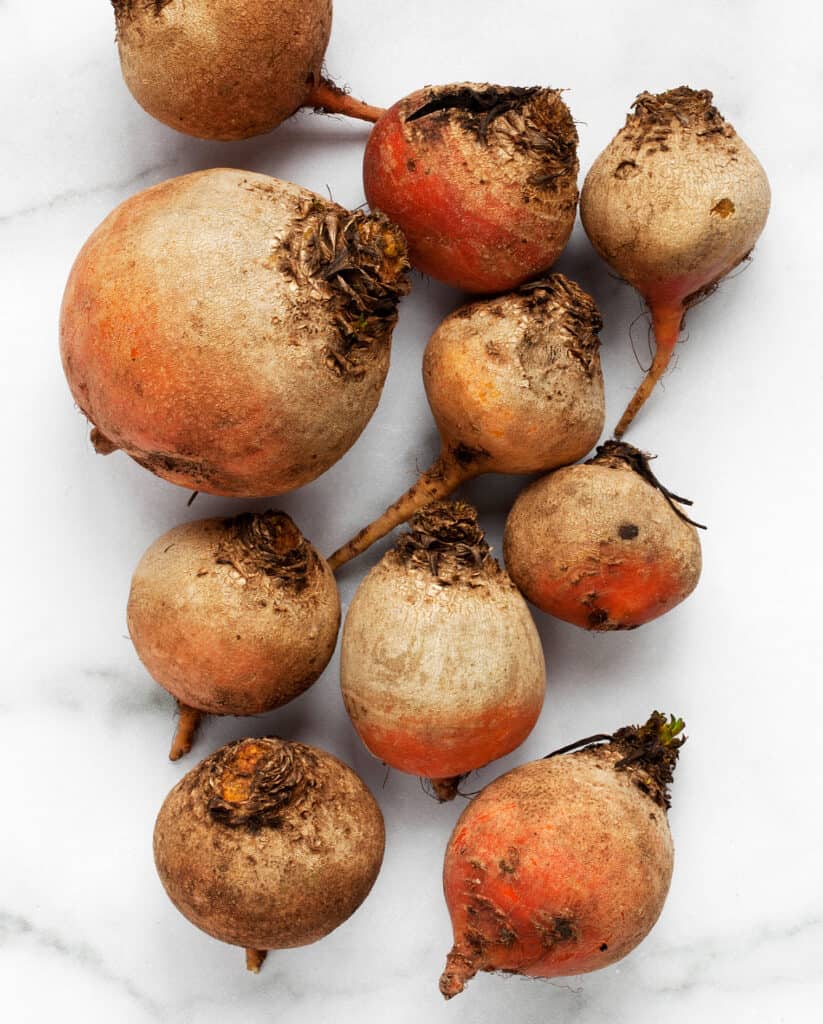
(86, 931)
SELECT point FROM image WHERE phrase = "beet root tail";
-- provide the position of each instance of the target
(436, 483)
(460, 969)
(254, 959)
(187, 725)
(329, 98)
(666, 323)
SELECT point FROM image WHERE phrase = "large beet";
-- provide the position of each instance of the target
(230, 331)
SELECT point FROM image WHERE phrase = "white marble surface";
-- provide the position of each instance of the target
(86, 932)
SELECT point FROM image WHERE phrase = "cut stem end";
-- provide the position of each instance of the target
(331, 99)
(254, 959)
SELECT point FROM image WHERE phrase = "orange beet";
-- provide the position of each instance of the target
(674, 203)
(562, 866)
(231, 331)
(481, 179)
(603, 544)
(441, 665)
(233, 616)
(515, 386)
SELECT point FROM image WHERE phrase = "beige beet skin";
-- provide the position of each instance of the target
(222, 70)
(210, 329)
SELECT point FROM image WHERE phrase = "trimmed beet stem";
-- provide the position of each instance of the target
(187, 725)
(330, 99)
(666, 323)
(254, 959)
(439, 480)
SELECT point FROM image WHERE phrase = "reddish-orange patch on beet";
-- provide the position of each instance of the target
(617, 592)
(435, 751)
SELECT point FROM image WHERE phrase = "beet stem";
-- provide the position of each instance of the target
(443, 477)
(187, 725)
(666, 323)
(254, 959)
(331, 99)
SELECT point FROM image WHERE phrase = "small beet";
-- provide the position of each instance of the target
(230, 331)
(441, 665)
(674, 203)
(482, 180)
(228, 70)
(268, 844)
(562, 866)
(603, 544)
(515, 386)
(233, 616)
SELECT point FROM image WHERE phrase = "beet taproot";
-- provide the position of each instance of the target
(231, 332)
(515, 386)
(232, 616)
(562, 866)
(604, 544)
(441, 665)
(482, 180)
(674, 203)
(268, 844)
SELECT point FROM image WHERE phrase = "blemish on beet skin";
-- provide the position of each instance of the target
(628, 531)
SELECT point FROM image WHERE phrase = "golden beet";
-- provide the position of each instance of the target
(231, 331)
(233, 616)
(562, 866)
(673, 203)
(482, 180)
(268, 844)
(603, 544)
(441, 665)
(222, 70)
(515, 386)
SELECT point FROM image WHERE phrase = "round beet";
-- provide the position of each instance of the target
(222, 70)
(231, 331)
(268, 844)
(673, 203)
(441, 665)
(515, 386)
(233, 616)
(482, 180)
(603, 544)
(562, 866)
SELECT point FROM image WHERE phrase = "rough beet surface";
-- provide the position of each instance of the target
(562, 866)
(603, 544)
(482, 179)
(231, 331)
(268, 844)
(234, 616)
(441, 664)
(222, 70)
(674, 202)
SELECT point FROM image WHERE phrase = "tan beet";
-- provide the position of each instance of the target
(231, 332)
(441, 665)
(233, 616)
(603, 545)
(562, 866)
(515, 386)
(482, 179)
(268, 844)
(674, 202)
(222, 70)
